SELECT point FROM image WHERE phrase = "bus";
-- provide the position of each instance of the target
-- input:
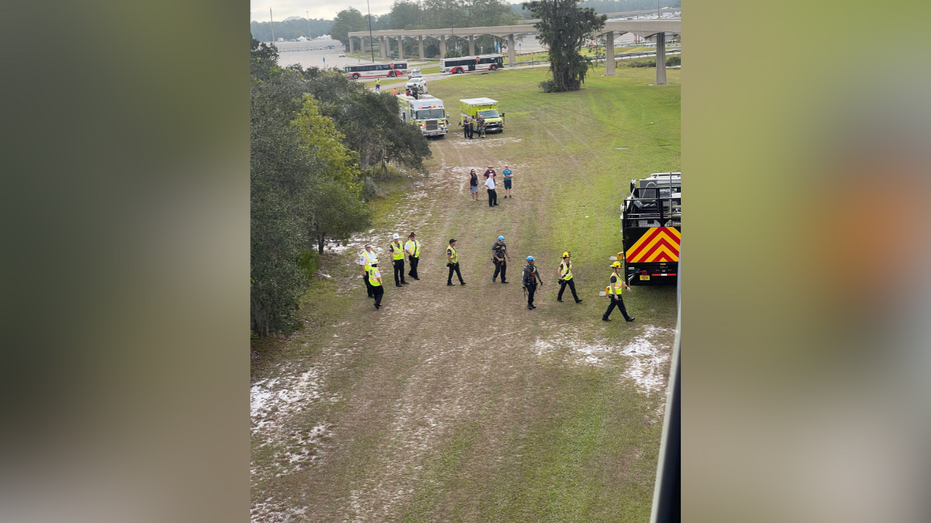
(486, 62)
(370, 70)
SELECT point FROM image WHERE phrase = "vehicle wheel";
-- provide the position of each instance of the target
(355, 76)
(494, 67)
(391, 74)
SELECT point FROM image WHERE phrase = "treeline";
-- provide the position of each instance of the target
(291, 29)
(317, 141)
(608, 6)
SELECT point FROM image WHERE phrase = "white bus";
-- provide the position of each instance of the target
(370, 70)
(469, 64)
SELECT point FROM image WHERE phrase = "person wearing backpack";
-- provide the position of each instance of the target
(565, 277)
(500, 257)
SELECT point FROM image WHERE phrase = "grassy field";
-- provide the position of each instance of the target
(457, 403)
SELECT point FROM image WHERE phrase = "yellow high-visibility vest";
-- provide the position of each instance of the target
(567, 267)
(397, 252)
(611, 290)
(414, 247)
(370, 258)
(374, 275)
(451, 252)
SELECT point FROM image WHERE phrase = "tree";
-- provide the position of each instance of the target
(405, 14)
(564, 28)
(347, 20)
(263, 59)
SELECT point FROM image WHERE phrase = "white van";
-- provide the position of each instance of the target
(420, 83)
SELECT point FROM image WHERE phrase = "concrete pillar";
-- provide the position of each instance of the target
(512, 58)
(609, 53)
(383, 47)
(350, 45)
(471, 45)
(400, 48)
(420, 39)
(660, 58)
(442, 46)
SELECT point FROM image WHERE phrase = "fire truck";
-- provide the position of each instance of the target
(651, 225)
(426, 112)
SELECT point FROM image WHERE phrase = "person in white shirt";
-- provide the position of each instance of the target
(492, 195)
(366, 259)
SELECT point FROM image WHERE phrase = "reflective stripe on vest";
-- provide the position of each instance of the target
(568, 268)
(397, 252)
(414, 247)
(611, 286)
(373, 277)
(451, 252)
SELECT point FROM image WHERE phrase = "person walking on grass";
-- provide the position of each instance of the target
(412, 247)
(397, 254)
(565, 277)
(492, 195)
(473, 185)
(614, 292)
(531, 280)
(500, 257)
(366, 259)
(507, 181)
(378, 290)
(378, 85)
(452, 261)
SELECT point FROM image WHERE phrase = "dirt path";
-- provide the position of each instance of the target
(457, 403)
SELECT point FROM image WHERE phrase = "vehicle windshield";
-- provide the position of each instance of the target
(491, 113)
(425, 114)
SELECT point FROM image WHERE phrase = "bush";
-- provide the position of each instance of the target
(308, 263)
(369, 189)
(673, 60)
(549, 86)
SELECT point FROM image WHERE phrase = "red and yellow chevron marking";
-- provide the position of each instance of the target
(656, 245)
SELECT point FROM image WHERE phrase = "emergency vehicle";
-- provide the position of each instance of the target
(488, 108)
(651, 226)
(426, 112)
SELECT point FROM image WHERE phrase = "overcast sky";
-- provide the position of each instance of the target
(282, 9)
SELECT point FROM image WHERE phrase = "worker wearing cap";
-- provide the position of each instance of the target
(378, 290)
(500, 257)
(452, 261)
(565, 277)
(614, 292)
(531, 280)
(397, 255)
(412, 248)
(366, 259)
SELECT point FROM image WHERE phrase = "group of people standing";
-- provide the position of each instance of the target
(491, 184)
(530, 279)
(470, 126)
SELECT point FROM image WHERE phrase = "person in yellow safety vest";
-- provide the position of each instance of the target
(412, 247)
(366, 259)
(565, 277)
(397, 254)
(614, 292)
(378, 290)
(378, 85)
(452, 261)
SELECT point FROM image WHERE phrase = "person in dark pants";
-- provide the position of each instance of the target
(452, 261)
(467, 127)
(397, 254)
(366, 259)
(412, 247)
(492, 195)
(500, 257)
(565, 278)
(531, 280)
(614, 292)
(378, 289)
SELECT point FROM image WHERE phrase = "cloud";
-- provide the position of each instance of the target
(258, 9)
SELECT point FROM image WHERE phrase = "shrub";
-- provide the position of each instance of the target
(673, 60)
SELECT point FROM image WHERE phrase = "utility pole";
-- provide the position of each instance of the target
(308, 25)
(371, 39)
(273, 23)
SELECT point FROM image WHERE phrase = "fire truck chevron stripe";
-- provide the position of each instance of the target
(657, 244)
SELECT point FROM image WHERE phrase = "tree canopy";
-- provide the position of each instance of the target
(564, 28)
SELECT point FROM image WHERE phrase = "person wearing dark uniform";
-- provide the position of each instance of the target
(378, 289)
(500, 257)
(467, 127)
(531, 280)
(412, 247)
(565, 278)
(366, 259)
(614, 292)
(452, 261)
(397, 254)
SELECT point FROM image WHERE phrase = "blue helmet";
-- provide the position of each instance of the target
(529, 258)
(500, 238)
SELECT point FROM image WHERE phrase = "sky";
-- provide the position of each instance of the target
(281, 9)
